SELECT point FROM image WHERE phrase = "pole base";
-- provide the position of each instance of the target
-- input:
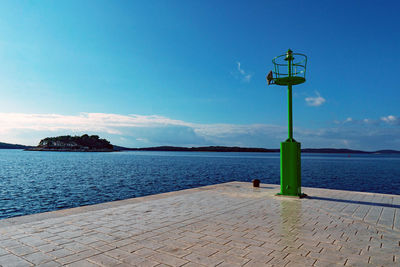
(290, 168)
(302, 195)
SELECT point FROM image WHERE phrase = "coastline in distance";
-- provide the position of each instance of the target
(94, 143)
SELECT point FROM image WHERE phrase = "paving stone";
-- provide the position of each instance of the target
(175, 251)
(167, 259)
(178, 244)
(49, 264)
(123, 265)
(22, 250)
(229, 264)
(259, 257)
(323, 263)
(300, 260)
(118, 254)
(9, 243)
(218, 247)
(38, 258)
(74, 246)
(190, 264)
(131, 247)
(123, 242)
(104, 260)
(136, 260)
(203, 250)
(329, 257)
(144, 252)
(357, 260)
(239, 252)
(254, 263)
(11, 260)
(229, 258)
(150, 244)
(62, 241)
(275, 246)
(279, 262)
(105, 248)
(78, 256)
(3, 252)
(203, 260)
(237, 244)
(82, 263)
(62, 252)
(32, 241)
(384, 260)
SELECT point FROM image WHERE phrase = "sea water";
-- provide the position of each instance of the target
(32, 182)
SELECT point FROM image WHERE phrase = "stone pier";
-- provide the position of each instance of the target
(231, 224)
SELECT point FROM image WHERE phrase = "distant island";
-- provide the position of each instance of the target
(254, 149)
(84, 143)
(93, 143)
(12, 146)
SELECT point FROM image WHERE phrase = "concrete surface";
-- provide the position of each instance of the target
(231, 224)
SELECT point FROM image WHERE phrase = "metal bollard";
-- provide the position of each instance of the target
(256, 183)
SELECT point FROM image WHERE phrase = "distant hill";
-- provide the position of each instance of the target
(198, 149)
(334, 150)
(205, 149)
(251, 149)
(387, 151)
(347, 151)
(84, 143)
(12, 146)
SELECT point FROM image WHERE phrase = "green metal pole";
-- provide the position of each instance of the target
(290, 114)
(289, 58)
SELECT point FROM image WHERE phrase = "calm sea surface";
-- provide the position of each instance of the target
(32, 182)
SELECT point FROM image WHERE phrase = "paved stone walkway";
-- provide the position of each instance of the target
(230, 224)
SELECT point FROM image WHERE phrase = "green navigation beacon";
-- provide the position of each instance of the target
(289, 69)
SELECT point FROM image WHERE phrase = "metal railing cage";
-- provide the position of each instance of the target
(297, 71)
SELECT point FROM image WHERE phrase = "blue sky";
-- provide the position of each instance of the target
(192, 73)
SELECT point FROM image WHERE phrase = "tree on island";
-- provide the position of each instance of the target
(92, 142)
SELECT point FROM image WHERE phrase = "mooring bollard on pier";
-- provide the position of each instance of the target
(256, 183)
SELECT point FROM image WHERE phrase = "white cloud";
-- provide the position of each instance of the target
(315, 101)
(152, 130)
(345, 143)
(370, 121)
(390, 119)
(84, 121)
(239, 69)
(361, 122)
(143, 129)
(245, 76)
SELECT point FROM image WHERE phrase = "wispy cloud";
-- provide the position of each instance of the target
(359, 122)
(84, 121)
(101, 122)
(315, 101)
(134, 129)
(391, 119)
(245, 76)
